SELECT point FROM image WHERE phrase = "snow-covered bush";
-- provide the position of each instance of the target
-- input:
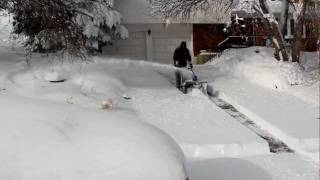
(72, 27)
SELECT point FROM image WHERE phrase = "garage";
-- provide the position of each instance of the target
(134, 47)
(152, 42)
(152, 39)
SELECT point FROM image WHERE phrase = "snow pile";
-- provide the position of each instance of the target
(45, 140)
(257, 65)
(286, 166)
(273, 94)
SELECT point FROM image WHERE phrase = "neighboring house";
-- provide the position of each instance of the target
(153, 40)
(257, 33)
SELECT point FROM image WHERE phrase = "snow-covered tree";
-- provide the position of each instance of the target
(3, 4)
(307, 15)
(186, 9)
(273, 29)
(66, 27)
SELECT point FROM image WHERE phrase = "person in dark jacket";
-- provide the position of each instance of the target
(181, 57)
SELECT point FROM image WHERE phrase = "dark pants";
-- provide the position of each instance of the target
(179, 79)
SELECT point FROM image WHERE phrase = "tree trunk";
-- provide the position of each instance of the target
(297, 38)
(274, 32)
(284, 18)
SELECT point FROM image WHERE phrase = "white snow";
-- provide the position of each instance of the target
(55, 131)
(61, 131)
(45, 140)
(46, 111)
(193, 121)
(279, 96)
(5, 26)
(202, 129)
(262, 69)
(268, 167)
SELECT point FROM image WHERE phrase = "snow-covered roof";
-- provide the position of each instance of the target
(138, 11)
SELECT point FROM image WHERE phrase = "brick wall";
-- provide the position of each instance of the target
(207, 37)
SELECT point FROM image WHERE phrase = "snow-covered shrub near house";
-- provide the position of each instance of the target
(42, 140)
(258, 65)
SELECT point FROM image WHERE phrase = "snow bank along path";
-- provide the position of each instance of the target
(266, 167)
(46, 140)
(292, 119)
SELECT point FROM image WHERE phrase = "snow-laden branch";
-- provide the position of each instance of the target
(188, 9)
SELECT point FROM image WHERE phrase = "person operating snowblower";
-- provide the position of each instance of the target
(182, 56)
(181, 59)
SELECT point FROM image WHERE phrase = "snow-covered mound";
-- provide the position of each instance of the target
(258, 65)
(41, 140)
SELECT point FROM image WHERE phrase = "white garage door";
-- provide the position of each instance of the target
(152, 42)
(166, 39)
(134, 47)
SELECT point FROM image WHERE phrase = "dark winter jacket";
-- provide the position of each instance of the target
(181, 56)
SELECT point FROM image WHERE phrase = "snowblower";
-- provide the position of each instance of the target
(186, 85)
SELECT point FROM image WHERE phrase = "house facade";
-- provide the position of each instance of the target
(252, 25)
(152, 39)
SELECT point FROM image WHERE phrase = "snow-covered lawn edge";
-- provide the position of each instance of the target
(302, 146)
(198, 152)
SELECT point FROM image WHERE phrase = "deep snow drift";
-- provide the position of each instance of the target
(257, 65)
(279, 96)
(45, 140)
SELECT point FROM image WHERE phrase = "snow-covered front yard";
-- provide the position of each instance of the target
(55, 130)
(59, 130)
(278, 96)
